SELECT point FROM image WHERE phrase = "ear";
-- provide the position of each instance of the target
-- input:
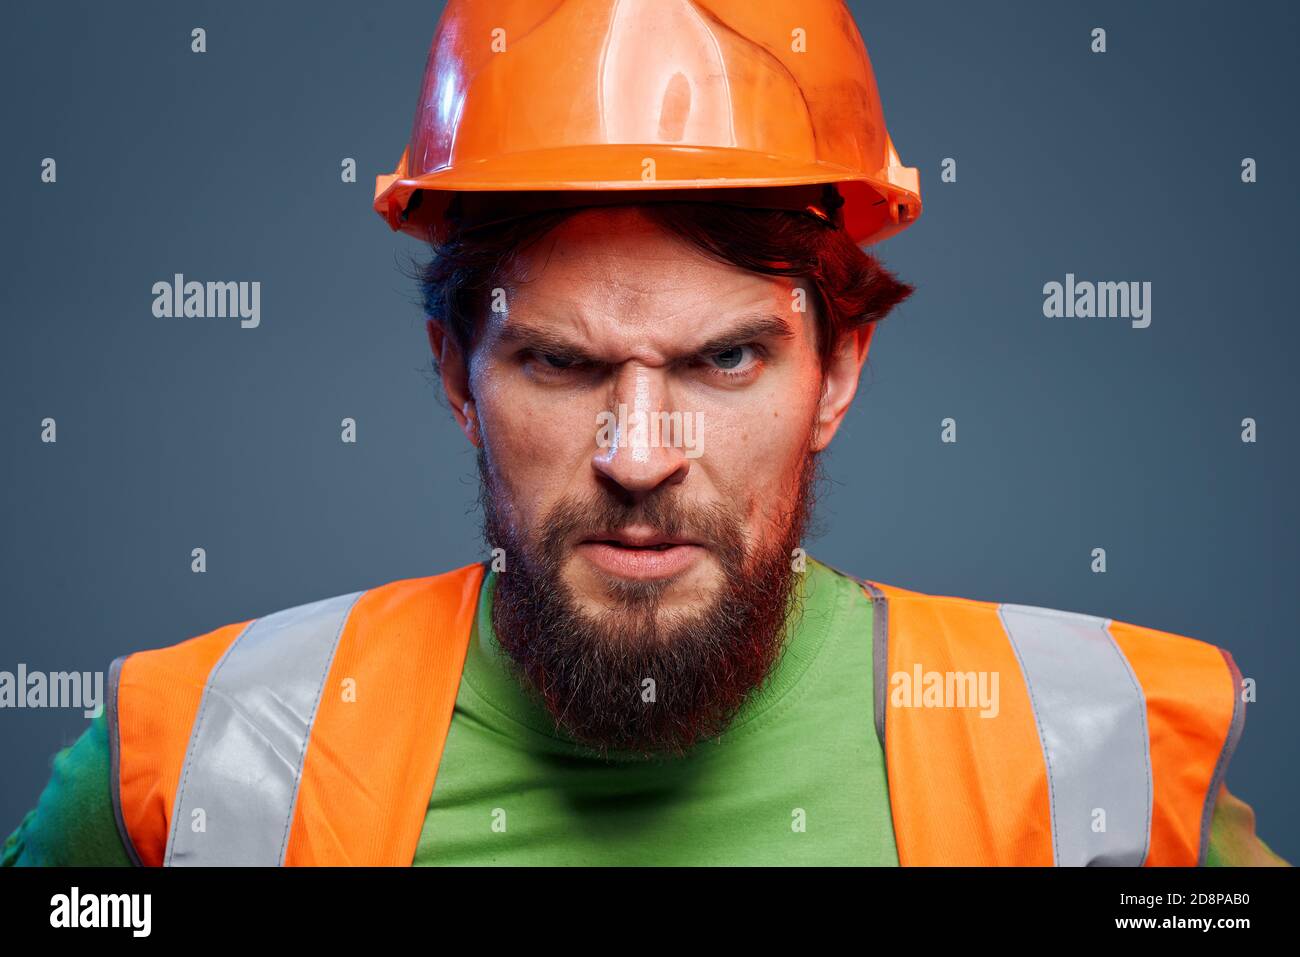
(840, 383)
(454, 372)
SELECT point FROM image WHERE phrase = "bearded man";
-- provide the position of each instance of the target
(649, 303)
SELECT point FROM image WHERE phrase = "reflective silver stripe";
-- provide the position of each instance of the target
(1092, 722)
(250, 738)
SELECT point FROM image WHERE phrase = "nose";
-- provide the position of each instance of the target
(639, 450)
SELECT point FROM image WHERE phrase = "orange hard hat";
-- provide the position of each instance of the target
(530, 104)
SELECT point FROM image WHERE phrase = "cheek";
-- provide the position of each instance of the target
(755, 451)
(538, 444)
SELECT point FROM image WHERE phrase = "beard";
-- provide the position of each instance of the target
(633, 676)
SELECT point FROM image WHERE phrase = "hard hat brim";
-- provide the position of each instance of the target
(875, 207)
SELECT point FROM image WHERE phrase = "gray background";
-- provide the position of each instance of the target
(1073, 434)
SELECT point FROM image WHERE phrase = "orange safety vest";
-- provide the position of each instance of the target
(312, 736)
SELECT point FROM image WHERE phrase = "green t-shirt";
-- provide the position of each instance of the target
(797, 778)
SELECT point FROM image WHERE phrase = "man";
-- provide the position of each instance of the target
(649, 308)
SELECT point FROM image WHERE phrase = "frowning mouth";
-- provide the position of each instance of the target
(621, 540)
(661, 546)
(640, 553)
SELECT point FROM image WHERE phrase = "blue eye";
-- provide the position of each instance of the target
(736, 361)
(729, 358)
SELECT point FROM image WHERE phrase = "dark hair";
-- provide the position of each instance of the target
(851, 286)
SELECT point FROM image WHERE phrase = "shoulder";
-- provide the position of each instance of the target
(1107, 713)
(72, 823)
(321, 618)
(161, 688)
(332, 670)
(1066, 661)
(1028, 627)
(1059, 652)
(1233, 841)
(266, 679)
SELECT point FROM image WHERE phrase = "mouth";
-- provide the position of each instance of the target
(640, 553)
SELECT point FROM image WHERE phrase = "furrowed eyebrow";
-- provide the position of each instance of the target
(545, 341)
(755, 327)
(542, 340)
